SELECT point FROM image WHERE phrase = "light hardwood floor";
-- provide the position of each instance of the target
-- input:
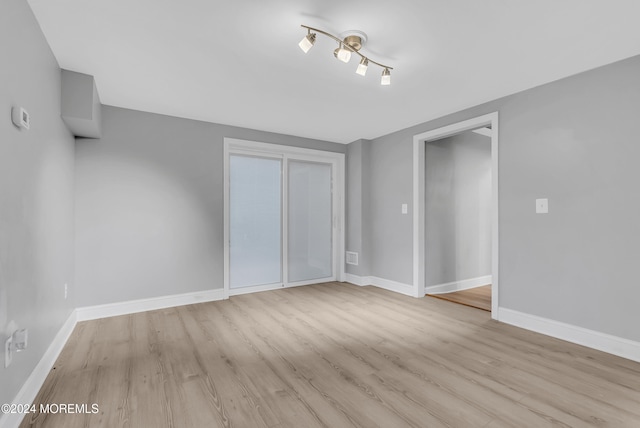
(478, 297)
(332, 355)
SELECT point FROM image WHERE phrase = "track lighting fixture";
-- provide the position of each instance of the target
(351, 43)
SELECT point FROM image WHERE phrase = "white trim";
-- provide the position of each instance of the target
(495, 223)
(225, 204)
(133, 306)
(357, 280)
(341, 221)
(398, 287)
(615, 345)
(284, 221)
(483, 131)
(418, 201)
(387, 284)
(464, 284)
(39, 374)
(286, 153)
(269, 148)
(419, 277)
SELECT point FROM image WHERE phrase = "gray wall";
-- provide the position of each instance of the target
(149, 205)
(457, 208)
(573, 141)
(36, 195)
(357, 199)
(390, 232)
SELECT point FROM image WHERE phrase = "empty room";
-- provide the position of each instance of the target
(319, 213)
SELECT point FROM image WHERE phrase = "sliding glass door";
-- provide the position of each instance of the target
(310, 255)
(255, 206)
(280, 218)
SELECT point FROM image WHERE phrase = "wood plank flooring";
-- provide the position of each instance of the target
(478, 297)
(332, 355)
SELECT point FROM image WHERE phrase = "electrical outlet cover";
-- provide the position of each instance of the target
(7, 352)
(542, 206)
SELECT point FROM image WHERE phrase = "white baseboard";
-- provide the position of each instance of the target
(34, 382)
(465, 284)
(357, 280)
(387, 284)
(593, 339)
(398, 287)
(133, 306)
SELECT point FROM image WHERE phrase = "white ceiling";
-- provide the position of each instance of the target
(237, 62)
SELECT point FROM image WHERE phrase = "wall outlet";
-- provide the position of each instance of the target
(542, 206)
(66, 290)
(20, 339)
(352, 258)
(20, 117)
(8, 349)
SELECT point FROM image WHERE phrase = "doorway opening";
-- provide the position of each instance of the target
(456, 211)
(458, 218)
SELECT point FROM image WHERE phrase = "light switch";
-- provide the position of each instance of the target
(542, 206)
(405, 209)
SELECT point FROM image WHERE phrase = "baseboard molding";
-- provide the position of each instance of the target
(387, 284)
(465, 284)
(34, 382)
(133, 306)
(398, 287)
(593, 339)
(358, 280)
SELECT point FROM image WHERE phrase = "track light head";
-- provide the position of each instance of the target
(307, 42)
(386, 77)
(342, 53)
(362, 67)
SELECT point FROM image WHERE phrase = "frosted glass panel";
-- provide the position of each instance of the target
(255, 221)
(310, 221)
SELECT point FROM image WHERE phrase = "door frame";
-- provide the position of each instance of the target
(419, 143)
(256, 148)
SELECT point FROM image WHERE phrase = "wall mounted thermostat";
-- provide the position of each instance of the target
(20, 117)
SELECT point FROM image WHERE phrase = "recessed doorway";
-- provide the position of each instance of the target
(458, 216)
(426, 272)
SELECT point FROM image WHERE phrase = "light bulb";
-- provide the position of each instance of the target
(362, 67)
